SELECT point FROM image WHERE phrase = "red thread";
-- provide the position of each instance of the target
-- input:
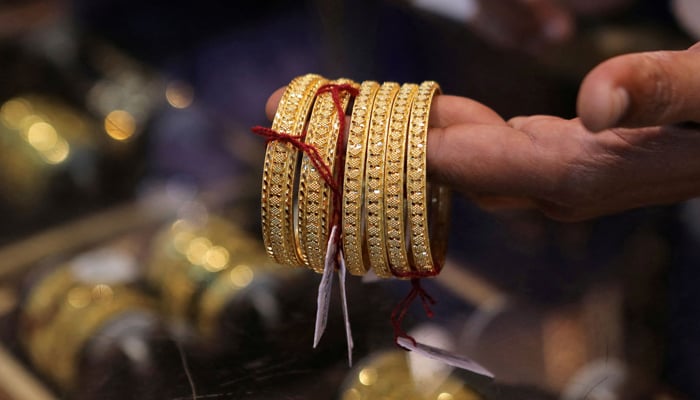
(399, 312)
(335, 91)
(333, 179)
(297, 141)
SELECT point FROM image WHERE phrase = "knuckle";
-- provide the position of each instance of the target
(661, 94)
(579, 185)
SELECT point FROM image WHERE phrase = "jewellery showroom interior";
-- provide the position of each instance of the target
(152, 246)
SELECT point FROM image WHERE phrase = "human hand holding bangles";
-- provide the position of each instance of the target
(645, 110)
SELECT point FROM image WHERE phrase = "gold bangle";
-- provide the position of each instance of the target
(279, 172)
(315, 196)
(425, 260)
(77, 325)
(226, 285)
(374, 179)
(353, 184)
(394, 177)
(39, 314)
(186, 258)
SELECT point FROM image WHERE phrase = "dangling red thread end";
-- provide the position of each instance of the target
(399, 312)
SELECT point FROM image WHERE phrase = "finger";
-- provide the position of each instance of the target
(272, 102)
(643, 89)
(534, 122)
(449, 110)
(477, 158)
(446, 110)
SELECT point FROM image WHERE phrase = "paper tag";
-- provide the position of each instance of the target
(428, 374)
(370, 277)
(344, 301)
(455, 360)
(324, 288)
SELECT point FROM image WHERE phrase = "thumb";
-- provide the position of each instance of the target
(642, 89)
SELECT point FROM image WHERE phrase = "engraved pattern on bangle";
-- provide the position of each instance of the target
(279, 172)
(353, 184)
(315, 196)
(416, 183)
(394, 200)
(374, 179)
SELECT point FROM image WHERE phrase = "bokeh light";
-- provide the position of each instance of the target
(120, 125)
(179, 94)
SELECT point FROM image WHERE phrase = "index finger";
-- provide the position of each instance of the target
(272, 102)
(446, 110)
(644, 89)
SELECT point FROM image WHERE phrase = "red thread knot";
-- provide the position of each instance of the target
(399, 312)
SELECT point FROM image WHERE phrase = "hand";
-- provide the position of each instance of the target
(560, 166)
(570, 173)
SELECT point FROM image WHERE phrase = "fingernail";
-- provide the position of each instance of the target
(608, 108)
(619, 101)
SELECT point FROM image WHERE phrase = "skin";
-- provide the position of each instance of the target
(635, 143)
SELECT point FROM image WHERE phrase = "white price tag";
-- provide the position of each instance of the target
(455, 360)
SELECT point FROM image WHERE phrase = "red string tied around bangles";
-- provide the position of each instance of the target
(334, 181)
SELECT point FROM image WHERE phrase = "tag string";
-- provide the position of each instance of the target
(399, 312)
(335, 91)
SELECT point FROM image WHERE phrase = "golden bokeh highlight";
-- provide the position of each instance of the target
(387, 375)
(42, 136)
(368, 376)
(197, 250)
(179, 94)
(58, 153)
(216, 259)
(241, 275)
(18, 114)
(14, 111)
(102, 292)
(181, 241)
(120, 125)
(79, 297)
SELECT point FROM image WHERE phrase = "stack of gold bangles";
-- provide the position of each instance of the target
(390, 218)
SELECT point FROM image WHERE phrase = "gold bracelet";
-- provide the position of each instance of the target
(315, 196)
(374, 179)
(39, 313)
(77, 325)
(427, 260)
(241, 272)
(353, 182)
(394, 177)
(279, 172)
